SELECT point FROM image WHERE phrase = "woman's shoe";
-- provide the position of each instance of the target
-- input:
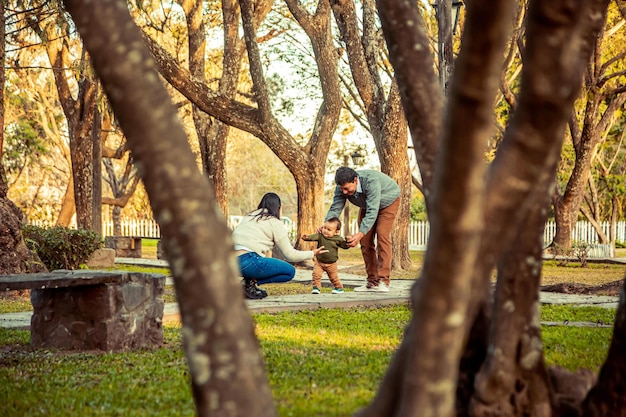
(251, 291)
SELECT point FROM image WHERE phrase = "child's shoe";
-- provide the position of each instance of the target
(337, 291)
(315, 290)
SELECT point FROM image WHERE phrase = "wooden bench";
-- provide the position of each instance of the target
(105, 310)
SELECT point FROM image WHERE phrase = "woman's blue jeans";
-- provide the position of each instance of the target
(265, 270)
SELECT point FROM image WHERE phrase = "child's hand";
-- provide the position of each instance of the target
(305, 237)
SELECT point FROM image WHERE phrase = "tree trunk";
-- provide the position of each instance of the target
(81, 149)
(310, 209)
(222, 350)
(602, 101)
(447, 301)
(513, 379)
(212, 140)
(565, 222)
(383, 110)
(67, 205)
(608, 396)
(79, 113)
(395, 163)
(15, 257)
(116, 218)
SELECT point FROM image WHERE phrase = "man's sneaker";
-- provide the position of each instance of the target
(337, 291)
(381, 287)
(365, 288)
(315, 290)
(251, 291)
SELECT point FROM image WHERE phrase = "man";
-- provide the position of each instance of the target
(377, 196)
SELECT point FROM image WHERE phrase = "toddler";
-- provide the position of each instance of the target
(331, 240)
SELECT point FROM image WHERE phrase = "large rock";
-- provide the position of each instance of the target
(102, 258)
(125, 246)
(124, 314)
(15, 257)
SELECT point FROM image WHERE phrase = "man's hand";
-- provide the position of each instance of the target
(354, 239)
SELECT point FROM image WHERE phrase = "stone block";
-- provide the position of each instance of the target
(125, 246)
(124, 314)
(160, 249)
(102, 258)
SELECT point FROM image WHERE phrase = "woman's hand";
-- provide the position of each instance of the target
(319, 251)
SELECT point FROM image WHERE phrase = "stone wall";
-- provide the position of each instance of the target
(125, 246)
(111, 316)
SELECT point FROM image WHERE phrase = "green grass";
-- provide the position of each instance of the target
(15, 302)
(320, 363)
(564, 313)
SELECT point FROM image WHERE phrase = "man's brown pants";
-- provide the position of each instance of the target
(377, 257)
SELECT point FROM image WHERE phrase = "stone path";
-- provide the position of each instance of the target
(398, 293)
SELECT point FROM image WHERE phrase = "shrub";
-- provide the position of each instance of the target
(581, 251)
(59, 247)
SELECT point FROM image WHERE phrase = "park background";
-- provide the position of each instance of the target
(594, 138)
(41, 137)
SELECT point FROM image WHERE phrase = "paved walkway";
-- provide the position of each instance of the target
(399, 292)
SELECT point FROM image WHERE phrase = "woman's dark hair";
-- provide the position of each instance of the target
(271, 203)
(344, 175)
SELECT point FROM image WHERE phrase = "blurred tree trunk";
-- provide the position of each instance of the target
(194, 232)
(500, 371)
(454, 294)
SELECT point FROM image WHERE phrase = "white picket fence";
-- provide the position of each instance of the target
(418, 232)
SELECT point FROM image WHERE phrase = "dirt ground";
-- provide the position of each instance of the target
(610, 288)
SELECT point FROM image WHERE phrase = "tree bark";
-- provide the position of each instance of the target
(195, 235)
(383, 111)
(608, 396)
(79, 113)
(438, 324)
(447, 293)
(513, 379)
(15, 257)
(603, 99)
(305, 162)
(68, 206)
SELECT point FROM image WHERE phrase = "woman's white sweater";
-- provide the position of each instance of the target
(265, 234)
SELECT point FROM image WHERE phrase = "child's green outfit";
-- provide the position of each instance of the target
(327, 261)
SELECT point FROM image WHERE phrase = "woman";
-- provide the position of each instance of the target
(259, 232)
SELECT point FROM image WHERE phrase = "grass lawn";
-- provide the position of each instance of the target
(319, 363)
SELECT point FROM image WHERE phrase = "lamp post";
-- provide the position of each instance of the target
(447, 13)
(357, 158)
